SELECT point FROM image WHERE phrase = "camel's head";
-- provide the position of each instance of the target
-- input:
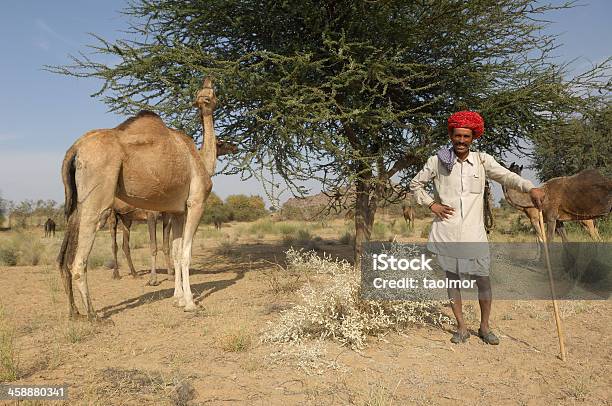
(226, 148)
(516, 168)
(206, 100)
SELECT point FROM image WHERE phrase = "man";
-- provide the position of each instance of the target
(459, 178)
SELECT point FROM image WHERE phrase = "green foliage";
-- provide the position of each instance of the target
(246, 208)
(236, 207)
(33, 213)
(576, 144)
(216, 210)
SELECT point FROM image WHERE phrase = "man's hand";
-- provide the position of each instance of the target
(442, 211)
(537, 197)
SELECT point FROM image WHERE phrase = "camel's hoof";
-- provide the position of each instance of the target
(153, 283)
(116, 275)
(190, 307)
(177, 303)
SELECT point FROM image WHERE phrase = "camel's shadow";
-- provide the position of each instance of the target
(200, 290)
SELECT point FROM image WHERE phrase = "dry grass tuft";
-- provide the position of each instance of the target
(380, 395)
(9, 358)
(76, 331)
(236, 341)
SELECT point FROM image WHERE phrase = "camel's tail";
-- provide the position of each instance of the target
(69, 244)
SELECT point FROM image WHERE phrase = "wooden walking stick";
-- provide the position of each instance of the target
(552, 290)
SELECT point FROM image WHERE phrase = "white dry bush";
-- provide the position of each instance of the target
(334, 309)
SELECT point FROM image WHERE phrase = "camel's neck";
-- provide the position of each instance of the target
(209, 144)
(516, 198)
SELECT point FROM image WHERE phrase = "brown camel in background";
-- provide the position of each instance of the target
(147, 165)
(408, 212)
(581, 197)
(126, 215)
(49, 228)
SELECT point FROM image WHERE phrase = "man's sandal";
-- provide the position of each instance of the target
(460, 338)
(488, 338)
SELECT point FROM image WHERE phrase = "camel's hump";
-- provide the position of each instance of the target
(144, 117)
(144, 128)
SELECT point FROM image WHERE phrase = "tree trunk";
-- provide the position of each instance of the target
(365, 211)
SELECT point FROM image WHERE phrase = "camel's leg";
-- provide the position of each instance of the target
(590, 226)
(113, 231)
(67, 280)
(166, 243)
(534, 218)
(562, 232)
(195, 208)
(126, 225)
(551, 227)
(89, 223)
(152, 224)
(177, 243)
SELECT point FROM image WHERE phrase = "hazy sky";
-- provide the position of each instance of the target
(42, 114)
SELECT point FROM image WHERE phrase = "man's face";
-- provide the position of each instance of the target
(462, 139)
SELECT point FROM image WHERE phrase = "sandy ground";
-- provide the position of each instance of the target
(154, 353)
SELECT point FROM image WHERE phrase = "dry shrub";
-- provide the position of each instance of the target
(426, 230)
(348, 238)
(225, 246)
(75, 331)
(24, 248)
(281, 282)
(334, 309)
(236, 341)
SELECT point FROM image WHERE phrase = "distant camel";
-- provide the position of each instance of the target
(408, 212)
(49, 228)
(127, 214)
(145, 164)
(581, 197)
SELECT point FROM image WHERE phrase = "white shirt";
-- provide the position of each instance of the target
(463, 190)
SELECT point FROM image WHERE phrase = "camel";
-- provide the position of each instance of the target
(147, 165)
(127, 215)
(581, 197)
(408, 212)
(49, 228)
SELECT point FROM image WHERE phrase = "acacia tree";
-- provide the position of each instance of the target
(351, 93)
(576, 144)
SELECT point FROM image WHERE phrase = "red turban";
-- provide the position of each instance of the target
(467, 119)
